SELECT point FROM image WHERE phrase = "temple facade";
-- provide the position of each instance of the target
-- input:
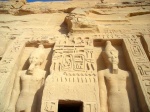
(75, 56)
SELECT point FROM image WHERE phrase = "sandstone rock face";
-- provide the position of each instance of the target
(120, 1)
(77, 21)
(75, 56)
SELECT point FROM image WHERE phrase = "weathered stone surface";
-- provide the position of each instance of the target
(95, 56)
(77, 21)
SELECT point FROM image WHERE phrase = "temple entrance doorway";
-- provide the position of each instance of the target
(70, 106)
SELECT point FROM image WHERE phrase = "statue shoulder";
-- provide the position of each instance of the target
(125, 72)
(42, 72)
(102, 72)
(22, 72)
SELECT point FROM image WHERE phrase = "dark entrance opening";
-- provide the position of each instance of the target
(70, 106)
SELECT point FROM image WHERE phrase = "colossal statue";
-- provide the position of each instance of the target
(27, 87)
(116, 89)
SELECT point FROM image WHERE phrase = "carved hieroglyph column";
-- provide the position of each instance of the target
(140, 67)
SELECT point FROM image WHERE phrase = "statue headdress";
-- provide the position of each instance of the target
(39, 52)
(109, 47)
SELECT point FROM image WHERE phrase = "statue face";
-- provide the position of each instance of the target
(34, 59)
(112, 57)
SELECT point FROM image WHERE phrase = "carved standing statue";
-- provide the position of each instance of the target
(25, 95)
(116, 89)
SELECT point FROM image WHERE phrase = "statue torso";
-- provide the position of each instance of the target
(116, 85)
(116, 82)
(31, 83)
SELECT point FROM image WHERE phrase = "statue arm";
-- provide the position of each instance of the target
(102, 92)
(132, 94)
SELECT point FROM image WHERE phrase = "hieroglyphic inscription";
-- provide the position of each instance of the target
(90, 107)
(51, 106)
(75, 78)
(133, 40)
(67, 62)
(147, 84)
(9, 59)
(79, 62)
(137, 52)
(141, 64)
(90, 64)
(56, 65)
(112, 36)
(124, 31)
(73, 58)
(74, 62)
(144, 68)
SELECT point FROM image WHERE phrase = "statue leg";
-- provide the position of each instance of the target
(20, 106)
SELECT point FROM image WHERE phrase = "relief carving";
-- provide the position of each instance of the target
(144, 69)
(116, 88)
(90, 107)
(79, 62)
(147, 87)
(50, 107)
(141, 65)
(90, 64)
(56, 65)
(67, 62)
(77, 56)
(136, 50)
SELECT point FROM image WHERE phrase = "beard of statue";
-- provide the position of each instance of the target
(110, 56)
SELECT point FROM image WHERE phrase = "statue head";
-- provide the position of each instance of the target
(111, 54)
(36, 58)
